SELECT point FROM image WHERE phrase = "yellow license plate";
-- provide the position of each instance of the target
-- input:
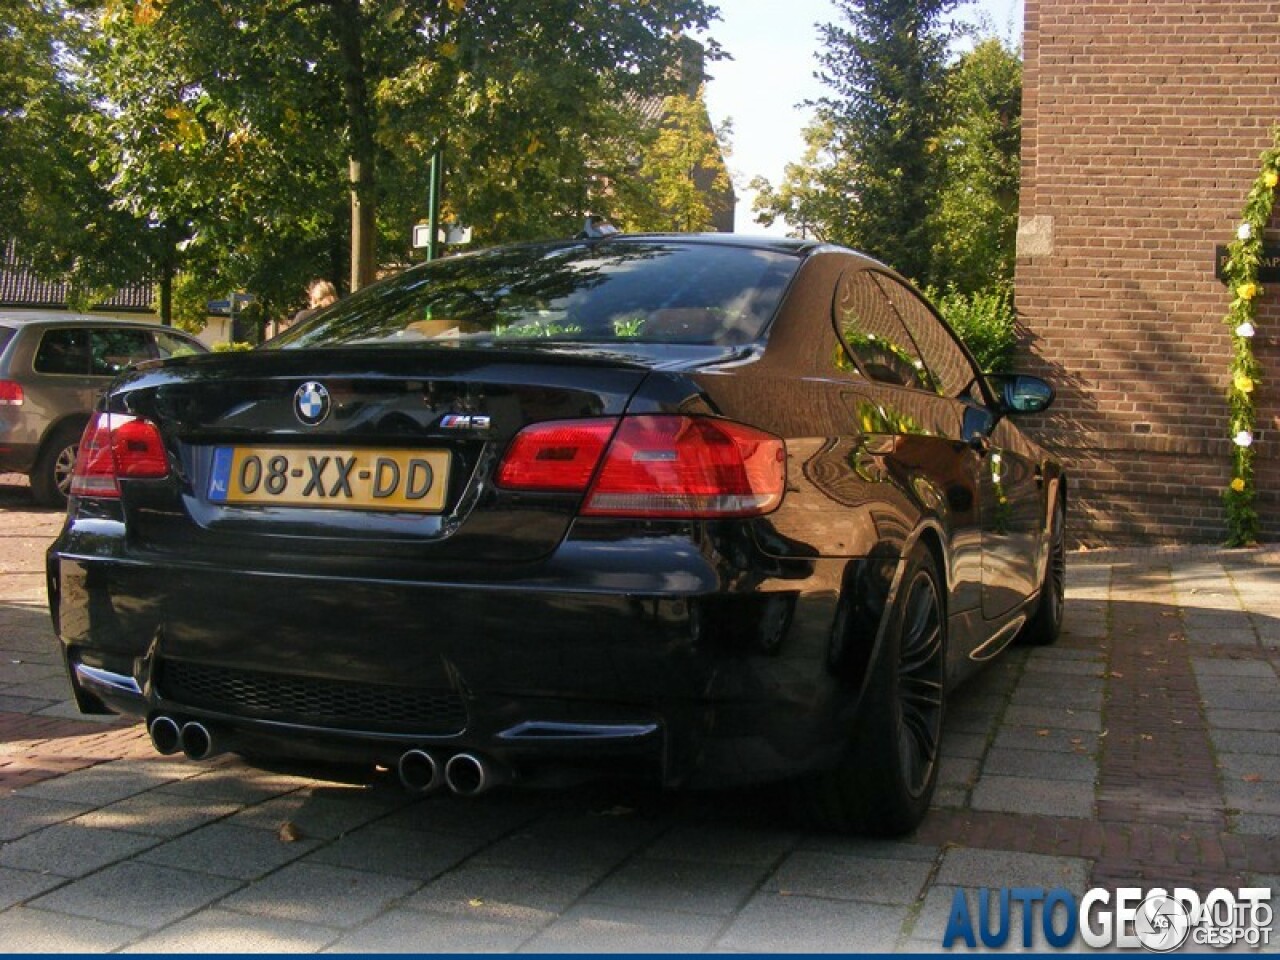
(350, 479)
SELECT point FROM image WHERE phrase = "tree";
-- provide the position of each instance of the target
(886, 66)
(810, 198)
(976, 220)
(51, 204)
(367, 90)
(682, 170)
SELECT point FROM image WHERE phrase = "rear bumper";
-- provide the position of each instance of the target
(708, 684)
(17, 457)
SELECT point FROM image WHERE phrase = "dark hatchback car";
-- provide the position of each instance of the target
(705, 510)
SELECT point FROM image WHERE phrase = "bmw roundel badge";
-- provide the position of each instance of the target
(311, 403)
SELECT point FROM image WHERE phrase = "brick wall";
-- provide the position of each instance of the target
(1143, 121)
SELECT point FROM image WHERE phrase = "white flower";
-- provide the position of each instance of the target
(1245, 232)
(1244, 439)
(1245, 330)
(995, 459)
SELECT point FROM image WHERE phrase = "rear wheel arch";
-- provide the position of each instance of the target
(931, 539)
(71, 422)
(884, 783)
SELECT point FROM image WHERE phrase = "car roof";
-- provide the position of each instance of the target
(757, 241)
(60, 318)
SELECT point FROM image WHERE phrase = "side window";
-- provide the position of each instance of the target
(168, 345)
(951, 369)
(874, 336)
(63, 350)
(114, 350)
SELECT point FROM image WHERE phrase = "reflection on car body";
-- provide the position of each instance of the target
(705, 510)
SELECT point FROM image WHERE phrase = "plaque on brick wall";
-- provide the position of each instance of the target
(1268, 271)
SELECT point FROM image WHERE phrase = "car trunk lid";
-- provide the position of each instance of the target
(334, 454)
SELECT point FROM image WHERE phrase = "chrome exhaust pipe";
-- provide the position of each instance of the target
(420, 772)
(166, 737)
(469, 775)
(197, 742)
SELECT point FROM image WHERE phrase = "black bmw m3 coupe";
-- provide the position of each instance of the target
(701, 509)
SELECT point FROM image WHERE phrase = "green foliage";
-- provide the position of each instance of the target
(976, 220)
(232, 346)
(1241, 275)
(985, 321)
(911, 160)
(805, 198)
(886, 65)
(228, 141)
(683, 168)
(190, 302)
(52, 202)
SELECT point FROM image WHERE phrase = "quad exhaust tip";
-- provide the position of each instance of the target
(469, 775)
(166, 736)
(197, 742)
(420, 772)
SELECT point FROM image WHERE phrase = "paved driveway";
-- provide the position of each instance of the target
(1143, 749)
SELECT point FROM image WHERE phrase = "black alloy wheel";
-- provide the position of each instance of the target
(886, 781)
(921, 673)
(1045, 625)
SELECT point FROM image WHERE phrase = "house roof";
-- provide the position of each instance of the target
(20, 286)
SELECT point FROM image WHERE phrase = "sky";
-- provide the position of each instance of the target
(773, 45)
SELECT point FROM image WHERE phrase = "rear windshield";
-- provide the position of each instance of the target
(644, 292)
(6, 334)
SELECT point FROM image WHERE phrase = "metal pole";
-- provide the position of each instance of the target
(433, 203)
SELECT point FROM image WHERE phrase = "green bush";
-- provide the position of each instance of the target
(985, 322)
(231, 346)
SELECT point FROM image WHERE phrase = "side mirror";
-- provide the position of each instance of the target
(1020, 393)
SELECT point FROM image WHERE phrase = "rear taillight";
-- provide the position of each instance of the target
(116, 445)
(10, 393)
(654, 466)
(557, 455)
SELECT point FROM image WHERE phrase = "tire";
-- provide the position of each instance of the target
(1045, 624)
(51, 476)
(886, 781)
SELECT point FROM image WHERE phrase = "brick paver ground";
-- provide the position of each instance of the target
(1143, 749)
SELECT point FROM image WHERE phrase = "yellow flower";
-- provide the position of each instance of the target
(457, 5)
(1244, 383)
(1271, 178)
(1238, 485)
(1247, 291)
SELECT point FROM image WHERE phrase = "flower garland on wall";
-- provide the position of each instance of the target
(1241, 273)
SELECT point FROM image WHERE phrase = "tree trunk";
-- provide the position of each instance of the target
(360, 163)
(166, 291)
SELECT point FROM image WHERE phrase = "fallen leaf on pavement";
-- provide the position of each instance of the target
(618, 811)
(1251, 777)
(289, 832)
